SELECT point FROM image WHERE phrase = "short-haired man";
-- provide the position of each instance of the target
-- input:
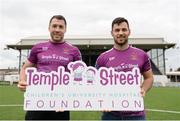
(61, 54)
(123, 57)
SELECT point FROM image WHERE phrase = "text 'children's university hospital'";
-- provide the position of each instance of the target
(104, 77)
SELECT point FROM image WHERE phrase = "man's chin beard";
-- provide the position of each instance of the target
(57, 40)
(121, 44)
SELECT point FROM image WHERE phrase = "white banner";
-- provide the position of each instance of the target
(83, 88)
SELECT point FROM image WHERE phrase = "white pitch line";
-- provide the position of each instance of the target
(16, 105)
(164, 111)
(154, 110)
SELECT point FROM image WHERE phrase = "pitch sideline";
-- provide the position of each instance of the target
(153, 110)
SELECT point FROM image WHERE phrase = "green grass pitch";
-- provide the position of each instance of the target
(161, 98)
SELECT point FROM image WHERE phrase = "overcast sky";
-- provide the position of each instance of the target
(147, 18)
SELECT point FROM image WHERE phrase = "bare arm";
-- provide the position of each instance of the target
(147, 83)
(22, 82)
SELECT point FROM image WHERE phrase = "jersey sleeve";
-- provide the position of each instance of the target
(99, 62)
(147, 63)
(77, 55)
(33, 55)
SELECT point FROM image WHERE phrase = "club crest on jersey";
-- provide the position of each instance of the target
(111, 58)
(44, 48)
(66, 50)
(133, 56)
